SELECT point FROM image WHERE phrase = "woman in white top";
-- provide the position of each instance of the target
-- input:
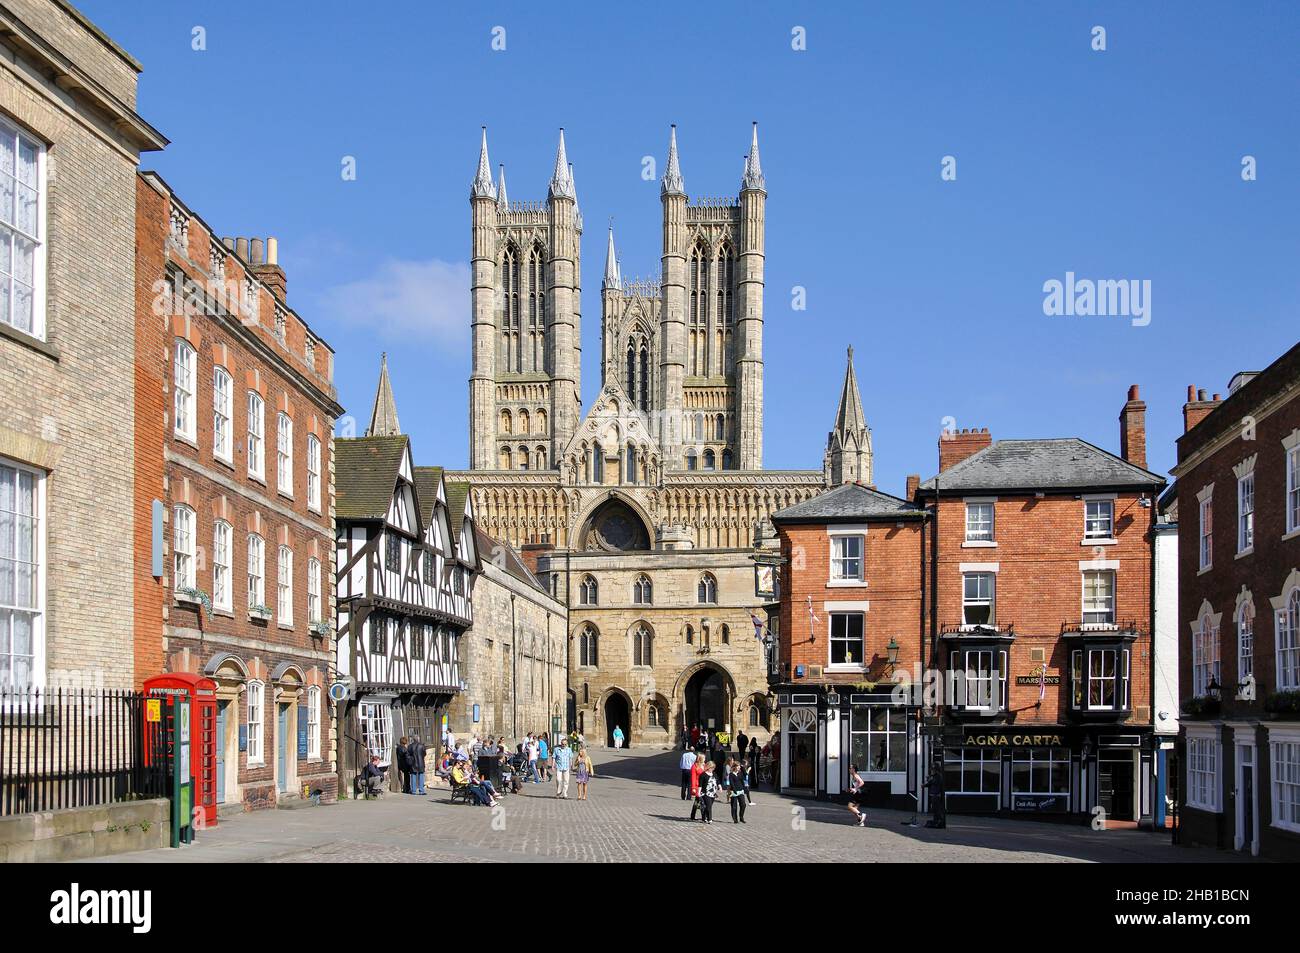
(855, 793)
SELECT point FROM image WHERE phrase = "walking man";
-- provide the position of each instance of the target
(687, 762)
(563, 762)
(415, 760)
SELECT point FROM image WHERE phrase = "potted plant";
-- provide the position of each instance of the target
(1283, 704)
(195, 596)
(319, 628)
(1201, 706)
(259, 612)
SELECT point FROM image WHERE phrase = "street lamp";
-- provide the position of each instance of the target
(892, 650)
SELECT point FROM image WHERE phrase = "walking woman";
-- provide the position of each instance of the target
(582, 773)
(855, 795)
(736, 791)
(696, 771)
(708, 792)
(618, 737)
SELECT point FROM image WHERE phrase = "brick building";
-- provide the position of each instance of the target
(1238, 493)
(850, 632)
(70, 141)
(243, 590)
(1041, 599)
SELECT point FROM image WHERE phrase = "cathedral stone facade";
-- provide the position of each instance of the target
(644, 516)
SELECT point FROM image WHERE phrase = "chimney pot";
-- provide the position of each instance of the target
(272, 251)
(1133, 429)
(1216, 397)
(1133, 392)
(1191, 393)
(241, 248)
(255, 250)
(229, 243)
(1200, 394)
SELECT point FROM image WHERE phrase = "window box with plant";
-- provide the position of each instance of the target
(319, 628)
(195, 596)
(259, 612)
(1283, 704)
(1201, 706)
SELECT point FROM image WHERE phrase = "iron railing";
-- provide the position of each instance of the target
(63, 748)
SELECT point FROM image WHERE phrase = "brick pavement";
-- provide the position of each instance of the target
(635, 814)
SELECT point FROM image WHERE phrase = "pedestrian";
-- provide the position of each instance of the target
(404, 764)
(742, 742)
(687, 762)
(753, 761)
(544, 756)
(618, 737)
(695, 737)
(415, 756)
(708, 792)
(563, 762)
(736, 791)
(532, 750)
(855, 795)
(372, 778)
(697, 769)
(583, 773)
(745, 772)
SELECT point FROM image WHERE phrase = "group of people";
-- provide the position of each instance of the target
(705, 781)
(491, 769)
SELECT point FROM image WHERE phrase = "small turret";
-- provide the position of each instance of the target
(483, 187)
(848, 446)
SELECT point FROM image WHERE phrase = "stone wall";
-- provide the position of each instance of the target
(81, 832)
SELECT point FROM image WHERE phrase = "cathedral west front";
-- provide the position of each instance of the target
(644, 515)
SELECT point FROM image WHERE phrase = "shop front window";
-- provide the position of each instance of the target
(972, 771)
(1040, 771)
(878, 738)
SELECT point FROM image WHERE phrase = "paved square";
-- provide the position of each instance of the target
(635, 813)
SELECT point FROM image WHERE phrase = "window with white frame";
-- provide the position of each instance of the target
(182, 548)
(1286, 784)
(1288, 643)
(256, 571)
(979, 678)
(846, 558)
(376, 720)
(256, 434)
(1107, 679)
(1293, 486)
(21, 577)
(22, 239)
(1207, 533)
(255, 719)
(1205, 656)
(1098, 597)
(1203, 772)
(313, 590)
(848, 641)
(977, 598)
(1245, 641)
(1040, 770)
(223, 409)
(313, 471)
(1246, 513)
(979, 522)
(284, 586)
(1098, 519)
(183, 384)
(284, 454)
(313, 723)
(878, 738)
(221, 570)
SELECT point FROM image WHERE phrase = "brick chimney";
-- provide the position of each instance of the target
(535, 548)
(1198, 407)
(913, 481)
(264, 262)
(956, 446)
(1133, 429)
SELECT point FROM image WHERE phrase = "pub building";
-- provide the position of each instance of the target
(849, 633)
(1041, 579)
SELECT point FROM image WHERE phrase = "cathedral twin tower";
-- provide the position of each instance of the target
(683, 354)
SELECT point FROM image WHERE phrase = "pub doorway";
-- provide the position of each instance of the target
(1115, 784)
(801, 748)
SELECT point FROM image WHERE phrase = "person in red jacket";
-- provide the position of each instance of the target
(696, 771)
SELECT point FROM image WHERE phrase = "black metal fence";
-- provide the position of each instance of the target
(62, 748)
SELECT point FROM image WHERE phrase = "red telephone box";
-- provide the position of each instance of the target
(201, 693)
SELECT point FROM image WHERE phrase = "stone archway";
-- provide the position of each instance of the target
(706, 691)
(616, 712)
(615, 523)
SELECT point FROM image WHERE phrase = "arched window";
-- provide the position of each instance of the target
(719, 428)
(690, 635)
(700, 433)
(588, 591)
(507, 422)
(631, 369)
(1245, 640)
(691, 460)
(655, 717)
(699, 307)
(523, 421)
(536, 309)
(588, 647)
(540, 458)
(724, 317)
(642, 591)
(539, 422)
(523, 458)
(507, 460)
(1205, 654)
(510, 309)
(709, 460)
(754, 721)
(707, 590)
(597, 464)
(1288, 643)
(726, 635)
(643, 379)
(726, 459)
(641, 646)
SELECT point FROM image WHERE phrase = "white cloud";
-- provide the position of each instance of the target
(420, 300)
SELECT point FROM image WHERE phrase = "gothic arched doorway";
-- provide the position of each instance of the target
(706, 700)
(617, 715)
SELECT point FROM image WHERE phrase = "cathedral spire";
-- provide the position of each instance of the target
(383, 418)
(562, 178)
(848, 446)
(672, 182)
(502, 201)
(613, 279)
(483, 187)
(753, 178)
(577, 209)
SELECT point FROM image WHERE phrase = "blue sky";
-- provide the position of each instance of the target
(1117, 164)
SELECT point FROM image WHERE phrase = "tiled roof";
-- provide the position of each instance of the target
(1064, 463)
(850, 501)
(504, 556)
(365, 475)
(426, 488)
(456, 495)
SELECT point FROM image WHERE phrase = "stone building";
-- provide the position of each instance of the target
(646, 512)
(1238, 500)
(70, 139)
(236, 582)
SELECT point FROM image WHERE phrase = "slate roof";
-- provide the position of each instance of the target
(365, 475)
(504, 556)
(456, 494)
(1063, 463)
(426, 488)
(851, 501)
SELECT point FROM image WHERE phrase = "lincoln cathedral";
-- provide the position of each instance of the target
(644, 515)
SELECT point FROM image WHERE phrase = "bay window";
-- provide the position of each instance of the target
(376, 720)
(978, 679)
(1203, 772)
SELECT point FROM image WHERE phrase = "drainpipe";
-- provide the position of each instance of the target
(514, 671)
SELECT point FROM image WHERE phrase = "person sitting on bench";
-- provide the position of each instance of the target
(461, 776)
(373, 777)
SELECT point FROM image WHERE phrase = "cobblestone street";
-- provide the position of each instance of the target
(635, 813)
